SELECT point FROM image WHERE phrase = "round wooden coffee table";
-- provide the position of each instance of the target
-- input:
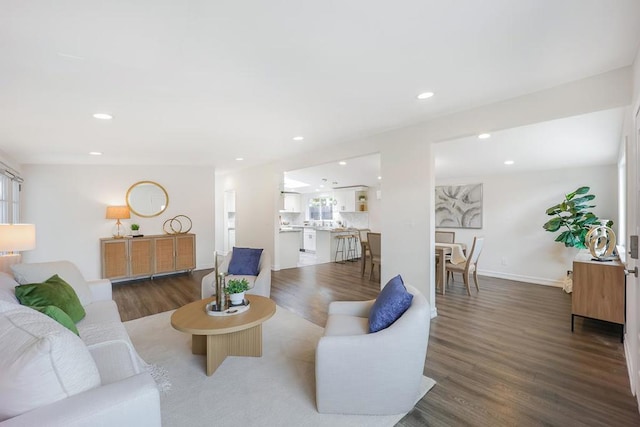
(220, 336)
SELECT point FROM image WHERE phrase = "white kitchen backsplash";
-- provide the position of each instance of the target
(293, 218)
(353, 219)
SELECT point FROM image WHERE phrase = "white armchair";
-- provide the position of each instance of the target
(371, 373)
(260, 284)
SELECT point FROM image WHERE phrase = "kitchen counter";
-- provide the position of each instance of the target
(326, 243)
(290, 230)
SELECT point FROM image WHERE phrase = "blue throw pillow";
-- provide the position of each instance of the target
(392, 301)
(245, 261)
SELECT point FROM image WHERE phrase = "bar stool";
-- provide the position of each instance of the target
(351, 249)
(340, 249)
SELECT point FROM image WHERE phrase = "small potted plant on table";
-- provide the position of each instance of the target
(236, 289)
(135, 229)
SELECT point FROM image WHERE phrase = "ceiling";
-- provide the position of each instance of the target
(204, 83)
(358, 171)
(585, 140)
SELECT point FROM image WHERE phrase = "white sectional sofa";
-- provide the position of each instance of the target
(50, 376)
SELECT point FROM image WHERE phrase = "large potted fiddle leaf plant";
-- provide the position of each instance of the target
(573, 218)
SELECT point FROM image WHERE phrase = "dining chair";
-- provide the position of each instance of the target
(469, 266)
(364, 247)
(445, 236)
(375, 250)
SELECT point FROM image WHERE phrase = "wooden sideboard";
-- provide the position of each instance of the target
(147, 256)
(599, 290)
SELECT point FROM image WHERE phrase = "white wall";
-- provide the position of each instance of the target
(257, 204)
(67, 204)
(514, 208)
(406, 220)
(375, 209)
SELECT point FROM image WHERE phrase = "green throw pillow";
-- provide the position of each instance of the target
(54, 291)
(59, 316)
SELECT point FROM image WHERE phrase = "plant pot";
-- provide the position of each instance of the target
(237, 299)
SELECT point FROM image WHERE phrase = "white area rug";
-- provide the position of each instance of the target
(277, 389)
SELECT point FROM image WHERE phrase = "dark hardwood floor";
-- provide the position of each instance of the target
(502, 357)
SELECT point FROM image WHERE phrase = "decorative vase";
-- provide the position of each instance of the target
(237, 299)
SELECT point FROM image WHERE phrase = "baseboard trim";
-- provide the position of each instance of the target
(521, 278)
(434, 312)
(630, 368)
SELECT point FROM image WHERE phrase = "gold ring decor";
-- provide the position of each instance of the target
(179, 224)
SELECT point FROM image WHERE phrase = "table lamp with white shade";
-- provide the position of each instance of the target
(15, 238)
(118, 213)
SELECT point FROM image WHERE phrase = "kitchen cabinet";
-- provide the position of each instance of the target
(309, 240)
(289, 248)
(290, 202)
(147, 256)
(351, 200)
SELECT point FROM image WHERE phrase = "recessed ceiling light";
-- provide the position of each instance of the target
(95, 153)
(321, 185)
(425, 95)
(103, 116)
(317, 189)
(484, 136)
(342, 163)
(509, 162)
(298, 138)
(379, 177)
(239, 159)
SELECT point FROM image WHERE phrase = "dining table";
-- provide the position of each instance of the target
(457, 255)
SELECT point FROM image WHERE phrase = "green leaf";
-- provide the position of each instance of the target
(583, 199)
(553, 210)
(582, 190)
(553, 224)
(562, 236)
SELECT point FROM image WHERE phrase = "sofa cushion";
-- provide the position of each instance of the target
(38, 272)
(343, 324)
(7, 288)
(59, 316)
(53, 291)
(392, 302)
(99, 312)
(41, 361)
(245, 261)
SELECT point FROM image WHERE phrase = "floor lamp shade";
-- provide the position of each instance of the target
(17, 237)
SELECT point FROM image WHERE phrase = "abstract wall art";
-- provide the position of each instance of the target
(459, 206)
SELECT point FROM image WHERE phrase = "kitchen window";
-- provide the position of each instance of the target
(321, 208)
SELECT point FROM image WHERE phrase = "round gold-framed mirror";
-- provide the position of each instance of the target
(147, 199)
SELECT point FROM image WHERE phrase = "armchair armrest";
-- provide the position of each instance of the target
(262, 285)
(351, 308)
(134, 401)
(101, 289)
